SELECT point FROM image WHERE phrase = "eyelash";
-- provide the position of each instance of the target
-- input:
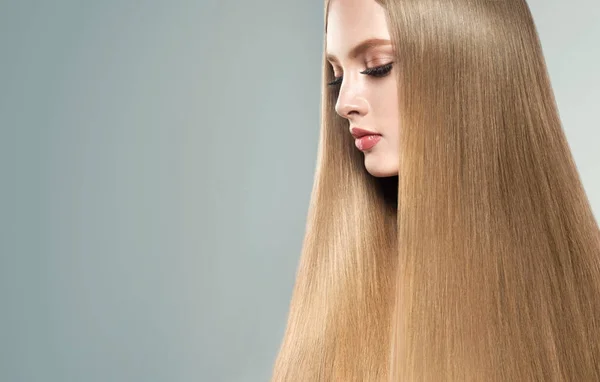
(380, 71)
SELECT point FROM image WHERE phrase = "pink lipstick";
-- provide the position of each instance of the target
(367, 142)
(365, 139)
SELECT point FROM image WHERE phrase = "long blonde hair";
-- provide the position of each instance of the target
(481, 260)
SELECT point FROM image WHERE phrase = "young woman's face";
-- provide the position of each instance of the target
(368, 100)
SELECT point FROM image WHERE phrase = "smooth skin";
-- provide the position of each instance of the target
(369, 102)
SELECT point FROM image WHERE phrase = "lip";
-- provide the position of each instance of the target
(367, 142)
(359, 133)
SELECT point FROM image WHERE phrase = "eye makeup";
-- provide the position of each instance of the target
(379, 71)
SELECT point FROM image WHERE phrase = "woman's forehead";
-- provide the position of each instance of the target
(352, 22)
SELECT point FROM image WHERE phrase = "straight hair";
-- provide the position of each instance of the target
(480, 261)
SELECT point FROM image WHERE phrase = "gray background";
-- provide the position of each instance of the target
(156, 161)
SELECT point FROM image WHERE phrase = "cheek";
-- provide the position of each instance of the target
(386, 109)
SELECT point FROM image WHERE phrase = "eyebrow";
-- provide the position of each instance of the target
(362, 47)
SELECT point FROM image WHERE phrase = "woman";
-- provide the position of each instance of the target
(454, 241)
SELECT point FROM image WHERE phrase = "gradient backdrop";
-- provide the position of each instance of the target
(156, 162)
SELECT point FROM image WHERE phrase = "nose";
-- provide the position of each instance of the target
(350, 101)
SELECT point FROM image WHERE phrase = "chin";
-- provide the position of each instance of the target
(382, 174)
(380, 167)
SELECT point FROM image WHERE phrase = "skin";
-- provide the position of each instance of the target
(367, 102)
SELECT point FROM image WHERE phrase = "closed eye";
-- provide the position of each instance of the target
(380, 71)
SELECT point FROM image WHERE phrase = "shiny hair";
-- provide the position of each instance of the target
(481, 260)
